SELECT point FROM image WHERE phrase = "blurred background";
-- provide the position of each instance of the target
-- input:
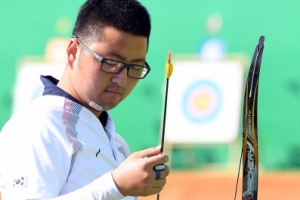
(212, 44)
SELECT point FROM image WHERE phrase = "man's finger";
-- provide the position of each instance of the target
(156, 189)
(148, 152)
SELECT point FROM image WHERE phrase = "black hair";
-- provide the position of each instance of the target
(126, 15)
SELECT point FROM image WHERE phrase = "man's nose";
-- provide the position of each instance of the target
(121, 78)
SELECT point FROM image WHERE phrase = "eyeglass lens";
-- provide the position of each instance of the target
(134, 71)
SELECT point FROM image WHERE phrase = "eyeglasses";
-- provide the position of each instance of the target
(115, 67)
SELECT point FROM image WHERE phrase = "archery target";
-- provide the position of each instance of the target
(28, 85)
(204, 102)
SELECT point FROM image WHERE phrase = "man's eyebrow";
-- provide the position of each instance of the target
(122, 58)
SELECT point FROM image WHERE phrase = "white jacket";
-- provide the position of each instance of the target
(56, 147)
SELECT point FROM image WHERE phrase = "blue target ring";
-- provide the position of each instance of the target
(202, 101)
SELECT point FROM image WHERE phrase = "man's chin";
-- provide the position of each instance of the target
(109, 106)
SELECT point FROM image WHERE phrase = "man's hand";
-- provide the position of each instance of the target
(136, 176)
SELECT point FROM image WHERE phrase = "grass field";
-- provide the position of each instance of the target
(221, 185)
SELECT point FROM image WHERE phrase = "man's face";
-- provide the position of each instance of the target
(107, 90)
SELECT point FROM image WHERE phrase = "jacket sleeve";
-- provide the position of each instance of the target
(102, 188)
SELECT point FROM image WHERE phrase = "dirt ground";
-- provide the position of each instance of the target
(216, 186)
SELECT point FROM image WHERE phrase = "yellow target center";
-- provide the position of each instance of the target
(202, 101)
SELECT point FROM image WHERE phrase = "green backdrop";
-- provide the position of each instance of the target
(179, 25)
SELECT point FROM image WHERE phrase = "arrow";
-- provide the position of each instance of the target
(169, 71)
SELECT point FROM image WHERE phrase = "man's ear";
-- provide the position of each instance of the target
(72, 50)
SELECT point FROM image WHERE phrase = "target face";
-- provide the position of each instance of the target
(202, 101)
(28, 85)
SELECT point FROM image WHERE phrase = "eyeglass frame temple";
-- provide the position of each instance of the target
(89, 50)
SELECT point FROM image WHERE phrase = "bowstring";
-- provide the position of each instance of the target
(238, 176)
